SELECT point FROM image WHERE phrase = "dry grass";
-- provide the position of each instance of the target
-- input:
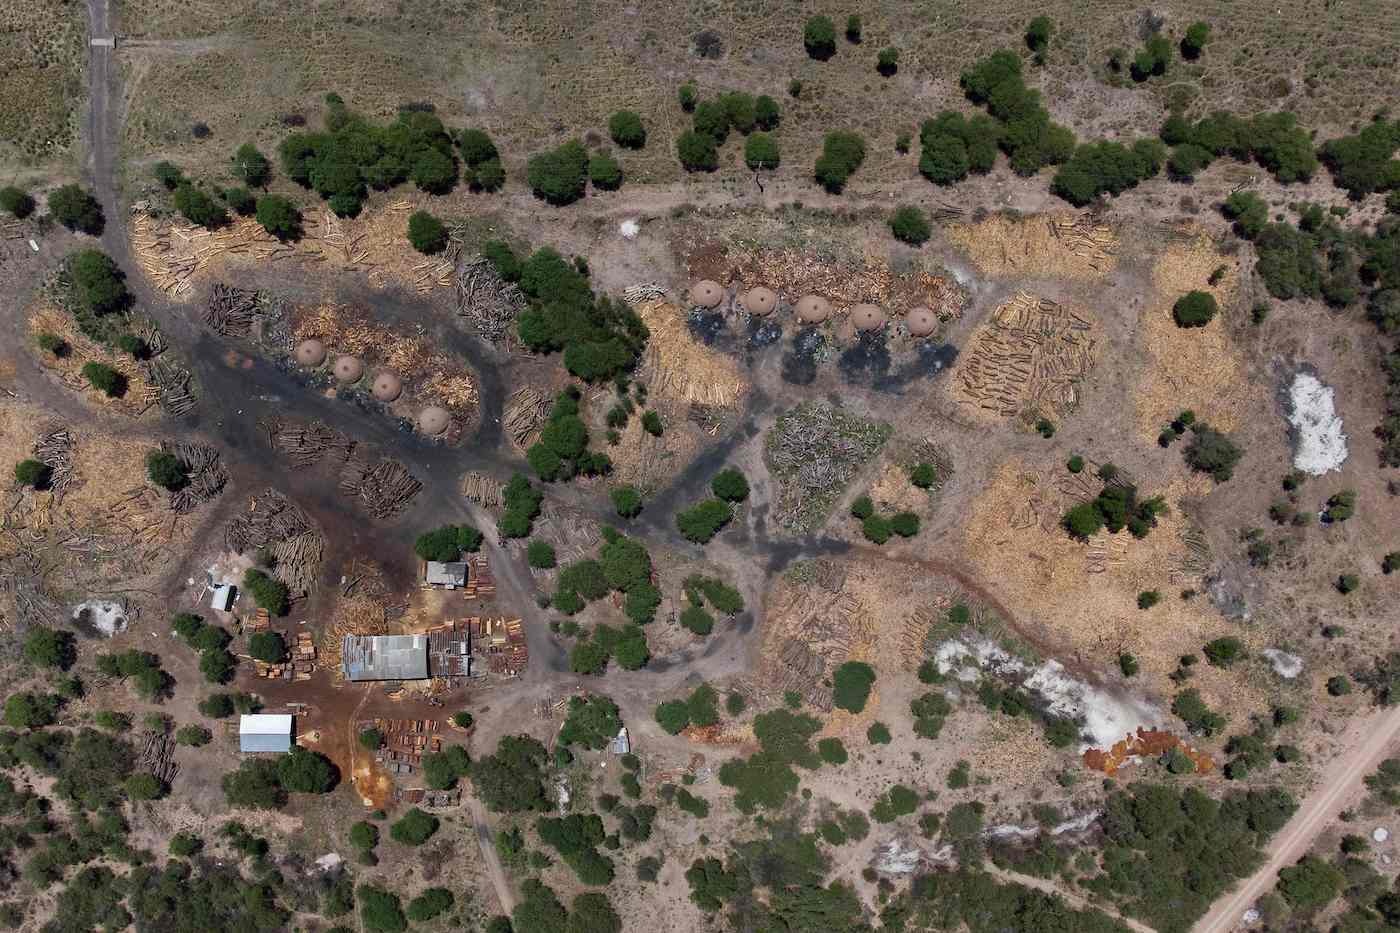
(1199, 368)
(680, 369)
(1013, 539)
(1063, 246)
(140, 396)
(43, 48)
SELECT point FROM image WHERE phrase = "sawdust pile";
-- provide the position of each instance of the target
(1029, 356)
(1199, 368)
(176, 255)
(1085, 595)
(1146, 743)
(679, 368)
(140, 396)
(1061, 246)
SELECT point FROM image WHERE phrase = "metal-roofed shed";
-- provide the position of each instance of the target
(446, 574)
(385, 657)
(265, 732)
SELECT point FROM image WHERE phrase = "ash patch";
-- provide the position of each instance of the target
(809, 348)
(100, 617)
(1320, 444)
(763, 334)
(707, 327)
(932, 359)
(868, 362)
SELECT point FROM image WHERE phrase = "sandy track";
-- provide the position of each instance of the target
(1366, 742)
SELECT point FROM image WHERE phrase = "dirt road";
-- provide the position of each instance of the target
(1074, 900)
(487, 841)
(1365, 744)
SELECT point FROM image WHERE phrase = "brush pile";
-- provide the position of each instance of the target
(54, 449)
(813, 451)
(382, 489)
(486, 301)
(207, 476)
(307, 444)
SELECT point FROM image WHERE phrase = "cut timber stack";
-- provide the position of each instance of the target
(1031, 354)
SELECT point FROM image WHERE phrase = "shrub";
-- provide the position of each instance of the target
(673, 716)
(766, 114)
(559, 175)
(923, 475)
(1195, 40)
(477, 147)
(447, 543)
(442, 770)
(842, 154)
(1148, 598)
(540, 554)
(627, 130)
(254, 785)
(52, 343)
(1107, 168)
(697, 620)
(1038, 33)
(896, 802)
(198, 208)
(429, 904)
(1211, 452)
(426, 233)
(687, 96)
(604, 171)
(1248, 211)
(651, 423)
(1152, 59)
(819, 37)
(250, 166)
(761, 151)
(905, 524)
(862, 508)
(876, 529)
(627, 500)
(166, 470)
(16, 202)
(380, 910)
(697, 152)
(414, 828)
(307, 772)
(887, 61)
(851, 685)
(279, 217)
(33, 473)
(105, 379)
(1222, 652)
(910, 225)
(1341, 506)
(269, 593)
(99, 285)
(1347, 582)
(76, 209)
(703, 521)
(729, 484)
(1338, 686)
(1198, 717)
(878, 734)
(1194, 309)
(193, 736)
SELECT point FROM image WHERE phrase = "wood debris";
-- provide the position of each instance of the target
(483, 490)
(486, 301)
(382, 489)
(54, 449)
(681, 369)
(525, 410)
(207, 476)
(1074, 246)
(1030, 355)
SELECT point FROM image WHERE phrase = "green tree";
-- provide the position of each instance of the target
(766, 113)
(254, 785)
(268, 646)
(307, 772)
(592, 913)
(1194, 309)
(16, 202)
(851, 685)
(697, 152)
(626, 129)
(168, 174)
(559, 175)
(729, 484)
(98, 284)
(626, 500)
(910, 225)
(76, 209)
(166, 470)
(540, 554)
(1211, 452)
(842, 154)
(270, 594)
(1310, 884)
(673, 716)
(1194, 42)
(144, 786)
(604, 171)
(198, 208)
(443, 769)
(761, 151)
(47, 647)
(279, 217)
(1038, 34)
(887, 61)
(251, 167)
(832, 751)
(414, 828)
(428, 905)
(426, 233)
(878, 734)
(193, 736)
(28, 710)
(703, 521)
(381, 911)
(819, 37)
(1224, 651)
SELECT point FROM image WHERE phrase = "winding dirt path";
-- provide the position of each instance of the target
(1367, 741)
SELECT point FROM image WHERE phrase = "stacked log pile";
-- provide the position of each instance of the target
(54, 449)
(1031, 354)
(156, 755)
(485, 300)
(525, 411)
(231, 310)
(483, 490)
(382, 489)
(207, 476)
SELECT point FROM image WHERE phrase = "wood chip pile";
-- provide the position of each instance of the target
(678, 368)
(1073, 246)
(488, 302)
(207, 476)
(1031, 355)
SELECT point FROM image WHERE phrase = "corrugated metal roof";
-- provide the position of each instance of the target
(223, 598)
(264, 743)
(265, 724)
(385, 657)
(446, 574)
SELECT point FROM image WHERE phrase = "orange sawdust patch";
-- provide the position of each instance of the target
(1148, 743)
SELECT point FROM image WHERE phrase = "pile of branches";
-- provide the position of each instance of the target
(525, 411)
(488, 302)
(55, 450)
(207, 476)
(382, 489)
(308, 444)
(22, 583)
(815, 450)
(230, 311)
(270, 518)
(156, 754)
(173, 383)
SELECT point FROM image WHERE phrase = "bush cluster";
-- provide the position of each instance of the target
(1115, 507)
(1030, 139)
(523, 504)
(1274, 140)
(447, 543)
(842, 153)
(483, 170)
(1107, 168)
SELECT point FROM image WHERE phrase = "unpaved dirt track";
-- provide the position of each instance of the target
(487, 841)
(1367, 741)
(1074, 900)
